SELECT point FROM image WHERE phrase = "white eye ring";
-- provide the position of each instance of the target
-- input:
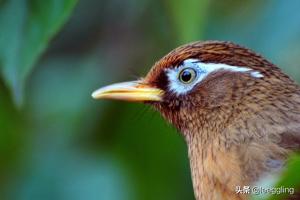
(187, 75)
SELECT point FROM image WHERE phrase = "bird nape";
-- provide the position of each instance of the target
(238, 112)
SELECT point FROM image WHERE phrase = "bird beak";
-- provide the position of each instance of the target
(129, 91)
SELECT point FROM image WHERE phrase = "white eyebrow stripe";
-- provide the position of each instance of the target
(210, 67)
(203, 70)
(256, 74)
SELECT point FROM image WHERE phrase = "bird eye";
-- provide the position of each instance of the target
(187, 75)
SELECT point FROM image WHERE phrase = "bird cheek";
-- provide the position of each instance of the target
(172, 104)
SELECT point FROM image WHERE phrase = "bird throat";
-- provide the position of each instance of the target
(215, 168)
(215, 171)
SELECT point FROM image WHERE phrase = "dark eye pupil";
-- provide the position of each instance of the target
(186, 76)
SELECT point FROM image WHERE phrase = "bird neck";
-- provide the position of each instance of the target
(216, 172)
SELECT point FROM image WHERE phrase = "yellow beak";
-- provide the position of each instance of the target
(129, 91)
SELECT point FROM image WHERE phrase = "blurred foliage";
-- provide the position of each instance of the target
(26, 28)
(190, 21)
(64, 145)
(290, 178)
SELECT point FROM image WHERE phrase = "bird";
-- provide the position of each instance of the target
(238, 113)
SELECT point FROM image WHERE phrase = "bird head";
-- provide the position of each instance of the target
(201, 84)
(232, 106)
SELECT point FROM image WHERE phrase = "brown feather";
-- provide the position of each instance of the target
(234, 125)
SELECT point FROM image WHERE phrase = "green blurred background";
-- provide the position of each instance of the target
(56, 142)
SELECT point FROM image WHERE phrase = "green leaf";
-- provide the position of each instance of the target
(188, 18)
(26, 29)
(290, 177)
(284, 185)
